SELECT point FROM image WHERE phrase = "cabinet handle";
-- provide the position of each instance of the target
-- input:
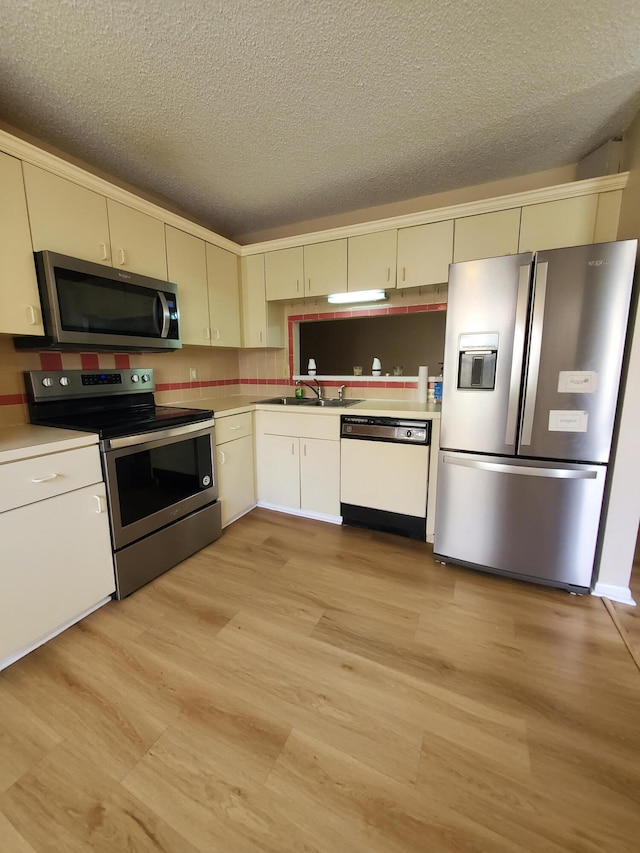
(216, 334)
(309, 284)
(104, 255)
(404, 273)
(260, 334)
(122, 256)
(304, 449)
(297, 285)
(102, 504)
(388, 273)
(46, 479)
(32, 315)
(206, 334)
(234, 427)
(222, 457)
(293, 449)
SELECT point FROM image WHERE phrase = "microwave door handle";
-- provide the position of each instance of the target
(166, 316)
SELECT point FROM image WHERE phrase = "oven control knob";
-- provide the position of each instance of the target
(47, 382)
(64, 380)
(135, 377)
(206, 480)
(145, 377)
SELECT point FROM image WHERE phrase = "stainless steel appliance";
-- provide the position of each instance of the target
(91, 306)
(533, 356)
(158, 464)
(384, 465)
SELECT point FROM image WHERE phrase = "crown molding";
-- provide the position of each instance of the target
(607, 183)
(30, 153)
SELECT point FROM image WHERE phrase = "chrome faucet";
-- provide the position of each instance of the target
(318, 391)
(341, 392)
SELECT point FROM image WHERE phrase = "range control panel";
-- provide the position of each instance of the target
(69, 384)
(385, 429)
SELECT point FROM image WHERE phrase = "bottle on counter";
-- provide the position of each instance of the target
(437, 390)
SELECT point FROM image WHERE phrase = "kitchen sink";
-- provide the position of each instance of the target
(306, 401)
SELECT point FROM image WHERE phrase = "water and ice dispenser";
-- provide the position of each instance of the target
(477, 356)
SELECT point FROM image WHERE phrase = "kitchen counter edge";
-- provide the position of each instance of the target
(25, 441)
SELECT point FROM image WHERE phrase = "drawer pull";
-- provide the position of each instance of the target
(234, 427)
(102, 504)
(46, 479)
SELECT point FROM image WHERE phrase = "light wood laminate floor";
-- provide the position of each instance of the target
(298, 686)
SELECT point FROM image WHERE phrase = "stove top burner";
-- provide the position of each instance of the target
(111, 404)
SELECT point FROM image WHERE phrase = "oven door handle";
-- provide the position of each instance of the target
(157, 435)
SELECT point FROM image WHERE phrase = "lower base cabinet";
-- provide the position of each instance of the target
(299, 472)
(235, 458)
(56, 566)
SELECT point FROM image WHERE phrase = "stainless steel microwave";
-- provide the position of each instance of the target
(91, 306)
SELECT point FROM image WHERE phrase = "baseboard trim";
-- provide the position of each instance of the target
(303, 513)
(622, 594)
(239, 515)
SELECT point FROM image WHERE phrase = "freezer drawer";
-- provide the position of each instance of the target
(525, 518)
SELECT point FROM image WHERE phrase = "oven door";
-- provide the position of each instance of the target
(157, 478)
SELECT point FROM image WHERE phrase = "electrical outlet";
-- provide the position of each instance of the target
(193, 373)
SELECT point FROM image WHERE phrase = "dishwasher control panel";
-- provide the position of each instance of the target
(398, 430)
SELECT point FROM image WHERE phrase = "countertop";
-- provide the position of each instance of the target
(374, 408)
(26, 440)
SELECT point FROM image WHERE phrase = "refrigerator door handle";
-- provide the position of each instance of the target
(523, 470)
(518, 349)
(535, 346)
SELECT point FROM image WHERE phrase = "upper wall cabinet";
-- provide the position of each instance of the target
(424, 254)
(137, 241)
(66, 217)
(372, 261)
(262, 323)
(19, 299)
(325, 268)
(555, 224)
(187, 267)
(284, 273)
(487, 235)
(224, 297)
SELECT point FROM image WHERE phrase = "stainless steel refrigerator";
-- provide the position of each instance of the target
(534, 350)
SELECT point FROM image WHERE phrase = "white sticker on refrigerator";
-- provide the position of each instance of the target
(560, 421)
(577, 382)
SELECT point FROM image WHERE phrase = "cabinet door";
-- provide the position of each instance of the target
(187, 267)
(320, 476)
(137, 241)
(554, 224)
(236, 478)
(224, 297)
(488, 235)
(43, 586)
(278, 470)
(66, 217)
(284, 276)
(424, 254)
(325, 268)
(254, 306)
(19, 299)
(372, 261)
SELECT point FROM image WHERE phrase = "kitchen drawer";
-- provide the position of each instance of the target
(300, 425)
(41, 477)
(233, 426)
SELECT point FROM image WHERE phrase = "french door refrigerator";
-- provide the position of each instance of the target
(534, 349)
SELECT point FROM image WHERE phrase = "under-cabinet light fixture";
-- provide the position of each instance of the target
(357, 296)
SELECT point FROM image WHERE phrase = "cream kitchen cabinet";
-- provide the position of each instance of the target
(371, 261)
(56, 548)
(298, 463)
(235, 464)
(137, 241)
(554, 224)
(262, 322)
(487, 235)
(424, 254)
(284, 273)
(187, 267)
(73, 220)
(19, 298)
(66, 217)
(325, 268)
(224, 297)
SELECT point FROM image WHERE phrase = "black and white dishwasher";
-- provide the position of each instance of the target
(384, 473)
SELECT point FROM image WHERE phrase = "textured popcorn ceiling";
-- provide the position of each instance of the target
(249, 114)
